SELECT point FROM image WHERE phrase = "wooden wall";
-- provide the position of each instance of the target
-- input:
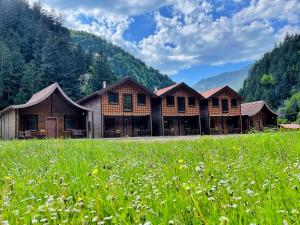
(257, 121)
(117, 109)
(8, 125)
(173, 110)
(225, 94)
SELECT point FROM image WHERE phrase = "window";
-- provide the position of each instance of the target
(127, 103)
(215, 102)
(113, 98)
(70, 123)
(225, 105)
(167, 124)
(192, 101)
(181, 104)
(30, 122)
(170, 100)
(233, 103)
(109, 124)
(141, 99)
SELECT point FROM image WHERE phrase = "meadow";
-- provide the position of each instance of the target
(250, 179)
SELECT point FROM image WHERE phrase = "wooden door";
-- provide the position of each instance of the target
(51, 127)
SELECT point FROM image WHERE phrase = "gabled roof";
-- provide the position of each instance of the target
(110, 87)
(43, 95)
(215, 91)
(164, 91)
(252, 108)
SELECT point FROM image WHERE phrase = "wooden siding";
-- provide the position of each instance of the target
(57, 108)
(117, 109)
(8, 123)
(262, 119)
(236, 111)
(173, 110)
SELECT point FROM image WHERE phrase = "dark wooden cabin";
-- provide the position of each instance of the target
(258, 115)
(50, 113)
(122, 109)
(221, 111)
(175, 111)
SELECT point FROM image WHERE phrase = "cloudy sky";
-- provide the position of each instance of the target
(186, 39)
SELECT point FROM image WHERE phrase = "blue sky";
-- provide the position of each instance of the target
(186, 39)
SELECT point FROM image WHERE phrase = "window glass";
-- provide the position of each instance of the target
(233, 103)
(181, 104)
(170, 100)
(109, 124)
(141, 99)
(192, 101)
(30, 122)
(113, 98)
(215, 102)
(167, 124)
(70, 123)
(225, 105)
(127, 103)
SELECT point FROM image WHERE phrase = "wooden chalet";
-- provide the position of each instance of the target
(122, 109)
(50, 113)
(221, 111)
(175, 111)
(258, 115)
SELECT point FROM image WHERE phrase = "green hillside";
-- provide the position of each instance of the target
(234, 79)
(122, 63)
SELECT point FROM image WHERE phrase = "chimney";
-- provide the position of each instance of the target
(155, 89)
(104, 84)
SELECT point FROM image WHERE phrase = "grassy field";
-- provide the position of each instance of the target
(251, 179)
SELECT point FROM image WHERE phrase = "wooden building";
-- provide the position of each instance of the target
(258, 115)
(175, 111)
(221, 111)
(122, 109)
(50, 113)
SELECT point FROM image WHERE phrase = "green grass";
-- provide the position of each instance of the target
(251, 179)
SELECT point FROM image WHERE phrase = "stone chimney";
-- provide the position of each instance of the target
(104, 84)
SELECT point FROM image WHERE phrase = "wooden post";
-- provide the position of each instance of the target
(162, 125)
(178, 124)
(200, 127)
(241, 121)
(209, 129)
(150, 124)
(123, 126)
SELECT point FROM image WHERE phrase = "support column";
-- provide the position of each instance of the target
(150, 124)
(200, 127)
(241, 121)
(162, 125)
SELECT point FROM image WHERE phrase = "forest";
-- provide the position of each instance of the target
(275, 78)
(36, 50)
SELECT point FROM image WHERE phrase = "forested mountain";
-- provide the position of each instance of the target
(121, 62)
(275, 78)
(36, 51)
(234, 79)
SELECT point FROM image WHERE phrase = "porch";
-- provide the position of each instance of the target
(225, 125)
(181, 125)
(126, 126)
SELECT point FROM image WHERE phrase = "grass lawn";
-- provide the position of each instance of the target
(250, 179)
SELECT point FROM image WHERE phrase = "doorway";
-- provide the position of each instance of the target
(51, 127)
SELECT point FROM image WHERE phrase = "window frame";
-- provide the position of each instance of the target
(170, 97)
(236, 103)
(192, 105)
(109, 99)
(139, 95)
(212, 102)
(131, 105)
(25, 118)
(73, 119)
(184, 104)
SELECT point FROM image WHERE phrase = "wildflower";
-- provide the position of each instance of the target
(180, 161)
(148, 223)
(5, 222)
(95, 219)
(224, 220)
(95, 172)
(181, 167)
(171, 222)
(7, 178)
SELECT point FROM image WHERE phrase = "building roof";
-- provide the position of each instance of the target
(290, 126)
(109, 87)
(252, 108)
(41, 96)
(164, 91)
(212, 92)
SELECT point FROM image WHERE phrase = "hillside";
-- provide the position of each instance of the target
(122, 63)
(276, 76)
(234, 79)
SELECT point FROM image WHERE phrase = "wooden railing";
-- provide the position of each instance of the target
(112, 134)
(142, 133)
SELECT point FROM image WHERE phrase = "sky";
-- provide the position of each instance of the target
(186, 39)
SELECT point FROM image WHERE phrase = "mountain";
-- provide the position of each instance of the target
(234, 79)
(122, 63)
(36, 51)
(275, 78)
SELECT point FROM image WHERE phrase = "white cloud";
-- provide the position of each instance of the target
(194, 34)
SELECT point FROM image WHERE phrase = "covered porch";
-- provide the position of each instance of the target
(126, 126)
(181, 125)
(225, 125)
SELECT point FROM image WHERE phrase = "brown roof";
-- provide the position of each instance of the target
(290, 126)
(41, 96)
(252, 108)
(109, 87)
(212, 92)
(164, 91)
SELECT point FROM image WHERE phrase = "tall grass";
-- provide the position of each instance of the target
(251, 179)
